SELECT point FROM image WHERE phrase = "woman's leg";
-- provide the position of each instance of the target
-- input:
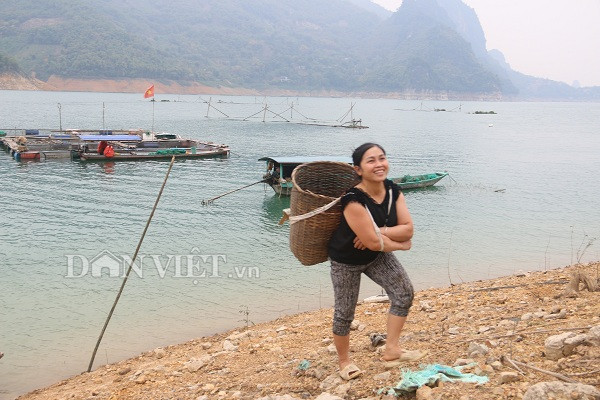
(387, 272)
(346, 285)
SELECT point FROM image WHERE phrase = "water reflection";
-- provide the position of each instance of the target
(273, 206)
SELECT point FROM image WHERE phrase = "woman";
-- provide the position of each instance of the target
(357, 247)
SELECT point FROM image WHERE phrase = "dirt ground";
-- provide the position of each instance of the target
(497, 328)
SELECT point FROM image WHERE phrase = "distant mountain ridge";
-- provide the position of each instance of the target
(337, 45)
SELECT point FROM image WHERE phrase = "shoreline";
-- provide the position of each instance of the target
(503, 314)
(164, 86)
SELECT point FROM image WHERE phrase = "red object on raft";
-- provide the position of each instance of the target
(109, 152)
(30, 155)
(102, 146)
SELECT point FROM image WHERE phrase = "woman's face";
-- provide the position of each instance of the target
(374, 165)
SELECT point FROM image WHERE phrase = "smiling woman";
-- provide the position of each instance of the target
(375, 223)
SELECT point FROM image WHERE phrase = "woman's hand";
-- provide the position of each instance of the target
(358, 244)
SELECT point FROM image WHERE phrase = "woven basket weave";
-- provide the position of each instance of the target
(317, 184)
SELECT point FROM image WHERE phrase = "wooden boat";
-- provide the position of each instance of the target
(279, 170)
(418, 181)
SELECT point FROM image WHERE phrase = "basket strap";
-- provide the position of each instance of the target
(309, 214)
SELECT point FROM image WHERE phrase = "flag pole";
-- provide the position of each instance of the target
(153, 101)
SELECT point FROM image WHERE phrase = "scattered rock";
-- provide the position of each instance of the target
(455, 330)
(384, 376)
(593, 335)
(483, 329)
(508, 377)
(424, 393)
(159, 353)
(380, 298)
(124, 371)
(477, 349)
(206, 345)
(330, 382)
(425, 305)
(228, 346)
(331, 349)
(327, 396)
(554, 345)
(463, 361)
(561, 390)
(195, 364)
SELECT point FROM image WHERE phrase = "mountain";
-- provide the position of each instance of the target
(8, 65)
(335, 45)
(371, 7)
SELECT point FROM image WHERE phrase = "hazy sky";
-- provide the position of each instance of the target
(554, 39)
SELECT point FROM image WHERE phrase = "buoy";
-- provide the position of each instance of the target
(490, 125)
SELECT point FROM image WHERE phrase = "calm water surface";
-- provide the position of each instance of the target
(523, 195)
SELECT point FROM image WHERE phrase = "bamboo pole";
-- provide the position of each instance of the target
(130, 267)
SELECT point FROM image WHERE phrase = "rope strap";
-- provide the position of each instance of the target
(316, 211)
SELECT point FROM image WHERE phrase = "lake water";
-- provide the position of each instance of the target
(523, 195)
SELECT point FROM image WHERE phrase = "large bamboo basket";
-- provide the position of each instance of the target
(317, 184)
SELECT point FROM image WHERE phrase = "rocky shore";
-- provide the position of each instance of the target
(532, 335)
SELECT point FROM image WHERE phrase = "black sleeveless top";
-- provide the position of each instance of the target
(341, 245)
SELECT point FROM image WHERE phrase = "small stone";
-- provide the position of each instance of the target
(476, 349)
(195, 364)
(124, 371)
(354, 325)
(505, 323)
(384, 376)
(159, 353)
(141, 379)
(527, 317)
(281, 329)
(454, 330)
(553, 346)
(327, 396)
(483, 329)
(488, 370)
(342, 390)
(209, 387)
(562, 314)
(508, 377)
(424, 393)
(317, 373)
(497, 365)
(463, 361)
(560, 390)
(206, 345)
(330, 382)
(331, 349)
(228, 346)
(425, 305)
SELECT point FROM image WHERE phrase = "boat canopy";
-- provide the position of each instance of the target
(306, 159)
(112, 138)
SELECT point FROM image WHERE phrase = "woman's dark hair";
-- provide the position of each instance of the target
(360, 151)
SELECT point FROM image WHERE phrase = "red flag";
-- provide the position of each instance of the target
(149, 92)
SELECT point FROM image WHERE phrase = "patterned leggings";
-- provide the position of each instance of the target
(386, 271)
